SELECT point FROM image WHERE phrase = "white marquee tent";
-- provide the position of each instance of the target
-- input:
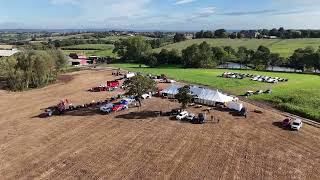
(171, 91)
(202, 95)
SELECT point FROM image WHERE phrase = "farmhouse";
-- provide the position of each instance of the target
(77, 56)
(76, 60)
(8, 53)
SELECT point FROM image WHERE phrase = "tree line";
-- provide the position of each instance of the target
(203, 55)
(262, 33)
(32, 69)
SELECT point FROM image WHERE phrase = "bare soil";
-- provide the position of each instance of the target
(136, 144)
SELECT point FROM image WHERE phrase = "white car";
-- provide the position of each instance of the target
(254, 79)
(190, 117)
(272, 80)
(182, 115)
(146, 96)
(296, 124)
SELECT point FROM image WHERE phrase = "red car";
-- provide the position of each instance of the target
(120, 107)
(287, 122)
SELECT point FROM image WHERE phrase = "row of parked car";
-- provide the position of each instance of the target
(253, 77)
(251, 93)
(124, 104)
(186, 116)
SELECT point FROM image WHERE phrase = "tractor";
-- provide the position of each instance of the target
(60, 108)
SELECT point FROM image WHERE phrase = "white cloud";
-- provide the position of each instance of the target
(179, 2)
(206, 12)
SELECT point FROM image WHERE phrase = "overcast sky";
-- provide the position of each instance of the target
(160, 14)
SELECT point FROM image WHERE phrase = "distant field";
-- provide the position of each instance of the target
(65, 37)
(301, 95)
(116, 38)
(89, 47)
(284, 47)
(102, 53)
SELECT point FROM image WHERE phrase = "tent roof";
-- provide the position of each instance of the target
(201, 93)
(174, 89)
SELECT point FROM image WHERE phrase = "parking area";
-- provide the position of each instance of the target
(138, 143)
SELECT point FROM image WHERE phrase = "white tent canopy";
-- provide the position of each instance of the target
(203, 96)
(171, 91)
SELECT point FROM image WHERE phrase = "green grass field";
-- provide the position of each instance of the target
(301, 95)
(102, 53)
(283, 46)
(89, 46)
(116, 38)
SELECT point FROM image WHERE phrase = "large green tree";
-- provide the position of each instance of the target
(133, 48)
(261, 58)
(221, 33)
(276, 60)
(199, 56)
(178, 37)
(184, 97)
(139, 85)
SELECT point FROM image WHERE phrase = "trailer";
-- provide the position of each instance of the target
(113, 84)
(110, 86)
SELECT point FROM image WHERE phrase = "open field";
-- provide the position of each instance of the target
(134, 144)
(301, 95)
(102, 53)
(58, 37)
(90, 47)
(283, 46)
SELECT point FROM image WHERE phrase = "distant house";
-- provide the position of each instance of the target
(8, 53)
(76, 60)
(76, 56)
(250, 34)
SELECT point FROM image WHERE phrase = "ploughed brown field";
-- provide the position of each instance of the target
(134, 144)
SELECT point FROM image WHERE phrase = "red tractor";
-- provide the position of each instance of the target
(60, 108)
(64, 105)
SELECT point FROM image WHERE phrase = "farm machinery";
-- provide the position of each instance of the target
(110, 86)
(60, 108)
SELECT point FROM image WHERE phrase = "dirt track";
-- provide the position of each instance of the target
(134, 144)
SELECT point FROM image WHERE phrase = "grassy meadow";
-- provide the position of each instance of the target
(285, 47)
(90, 47)
(102, 53)
(300, 95)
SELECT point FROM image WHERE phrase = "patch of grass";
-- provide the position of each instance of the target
(90, 47)
(285, 47)
(300, 95)
(102, 53)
